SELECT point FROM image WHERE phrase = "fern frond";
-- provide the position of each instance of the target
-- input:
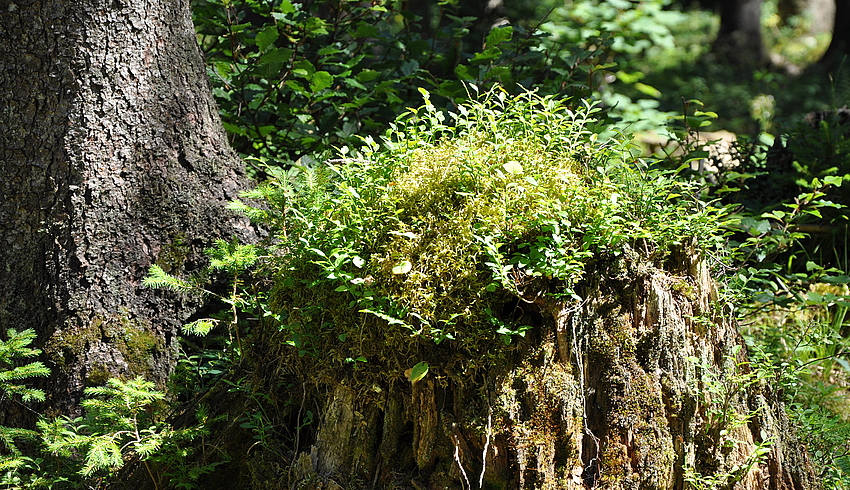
(103, 454)
(157, 278)
(200, 327)
(16, 347)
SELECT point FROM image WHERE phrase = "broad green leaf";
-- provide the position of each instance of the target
(320, 81)
(418, 372)
(329, 50)
(463, 72)
(367, 75)
(836, 279)
(276, 55)
(499, 35)
(485, 56)
(266, 36)
(304, 69)
(408, 67)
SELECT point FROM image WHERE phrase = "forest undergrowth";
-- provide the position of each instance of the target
(324, 101)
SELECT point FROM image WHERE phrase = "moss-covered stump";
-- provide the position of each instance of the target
(642, 385)
(505, 301)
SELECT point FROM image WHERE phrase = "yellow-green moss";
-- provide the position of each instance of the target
(131, 338)
(97, 375)
(685, 288)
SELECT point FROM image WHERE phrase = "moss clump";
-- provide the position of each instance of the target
(173, 254)
(430, 237)
(132, 339)
(97, 375)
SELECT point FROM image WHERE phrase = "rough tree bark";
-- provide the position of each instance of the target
(113, 158)
(643, 385)
(739, 39)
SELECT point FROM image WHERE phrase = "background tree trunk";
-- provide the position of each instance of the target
(839, 48)
(820, 13)
(113, 159)
(739, 38)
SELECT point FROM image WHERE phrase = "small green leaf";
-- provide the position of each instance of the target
(513, 167)
(286, 7)
(418, 372)
(648, 90)
(402, 267)
(710, 114)
(833, 180)
(320, 81)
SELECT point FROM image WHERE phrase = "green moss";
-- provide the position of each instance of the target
(138, 347)
(685, 288)
(66, 346)
(132, 338)
(173, 255)
(97, 375)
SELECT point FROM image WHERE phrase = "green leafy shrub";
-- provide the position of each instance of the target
(430, 233)
(296, 78)
(786, 275)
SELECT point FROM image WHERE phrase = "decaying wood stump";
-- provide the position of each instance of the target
(643, 384)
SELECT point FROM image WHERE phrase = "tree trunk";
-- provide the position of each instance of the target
(113, 159)
(820, 13)
(739, 39)
(839, 48)
(644, 385)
